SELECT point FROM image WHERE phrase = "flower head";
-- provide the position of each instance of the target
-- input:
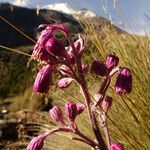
(56, 114)
(99, 68)
(116, 146)
(43, 80)
(124, 82)
(47, 41)
(72, 110)
(80, 108)
(79, 46)
(65, 70)
(55, 47)
(36, 143)
(106, 103)
(64, 82)
(84, 68)
(111, 62)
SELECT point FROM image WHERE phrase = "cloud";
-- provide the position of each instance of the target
(22, 3)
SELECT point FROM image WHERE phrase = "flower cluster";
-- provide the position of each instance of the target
(54, 56)
(72, 110)
(124, 80)
(53, 53)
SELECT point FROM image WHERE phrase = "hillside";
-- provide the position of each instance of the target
(27, 21)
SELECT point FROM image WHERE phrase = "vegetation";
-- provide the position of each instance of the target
(129, 115)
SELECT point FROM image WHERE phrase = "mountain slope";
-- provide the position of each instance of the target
(27, 21)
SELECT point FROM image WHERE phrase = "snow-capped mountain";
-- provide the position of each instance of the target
(65, 8)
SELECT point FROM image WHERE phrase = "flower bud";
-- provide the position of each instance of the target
(116, 146)
(36, 143)
(111, 62)
(99, 68)
(64, 70)
(106, 103)
(79, 46)
(40, 53)
(84, 68)
(80, 108)
(64, 82)
(71, 111)
(43, 80)
(55, 47)
(56, 114)
(124, 82)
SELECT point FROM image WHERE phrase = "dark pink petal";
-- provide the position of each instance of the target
(80, 108)
(116, 146)
(43, 80)
(71, 111)
(111, 62)
(99, 68)
(124, 82)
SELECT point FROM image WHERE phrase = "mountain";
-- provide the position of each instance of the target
(27, 20)
(65, 8)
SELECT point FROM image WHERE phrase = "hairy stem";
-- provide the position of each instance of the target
(87, 98)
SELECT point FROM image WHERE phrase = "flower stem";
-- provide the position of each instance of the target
(87, 98)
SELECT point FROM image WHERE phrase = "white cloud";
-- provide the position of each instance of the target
(22, 3)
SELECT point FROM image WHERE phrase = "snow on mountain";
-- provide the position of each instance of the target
(65, 8)
(62, 7)
(22, 3)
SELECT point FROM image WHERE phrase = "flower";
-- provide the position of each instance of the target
(55, 47)
(79, 46)
(65, 70)
(84, 68)
(47, 36)
(124, 82)
(111, 62)
(56, 114)
(43, 79)
(116, 146)
(99, 68)
(72, 110)
(64, 82)
(36, 143)
(106, 103)
(80, 108)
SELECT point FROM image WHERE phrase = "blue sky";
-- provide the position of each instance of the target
(127, 14)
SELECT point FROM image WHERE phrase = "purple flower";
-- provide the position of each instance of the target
(84, 68)
(72, 110)
(80, 108)
(36, 143)
(99, 68)
(106, 103)
(64, 82)
(39, 49)
(56, 114)
(55, 47)
(116, 146)
(79, 46)
(43, 80)
(124, 82)
(64, 70)
(111, 62)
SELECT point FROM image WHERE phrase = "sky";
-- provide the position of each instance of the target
(132, 16)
